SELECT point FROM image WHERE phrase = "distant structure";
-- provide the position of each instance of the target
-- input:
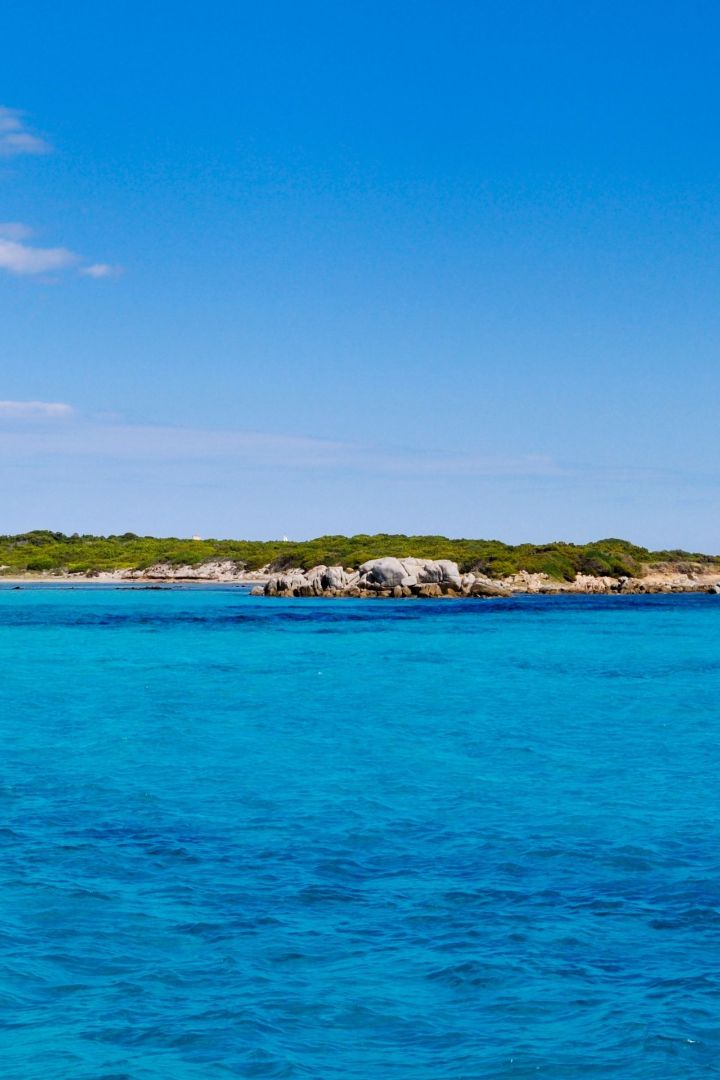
(285, 540)
(197, 537)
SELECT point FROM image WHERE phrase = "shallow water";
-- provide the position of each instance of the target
(358, 839)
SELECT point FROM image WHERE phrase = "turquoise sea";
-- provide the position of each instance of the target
(358, 839)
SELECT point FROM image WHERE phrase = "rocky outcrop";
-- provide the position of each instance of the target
(665, 579)
(526, 582)
(434, 578)
(408, 573)
(388, 577)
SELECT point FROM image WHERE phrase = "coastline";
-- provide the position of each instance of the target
(382, 578)
(135, 582)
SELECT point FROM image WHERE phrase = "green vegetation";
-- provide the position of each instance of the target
(52, 551)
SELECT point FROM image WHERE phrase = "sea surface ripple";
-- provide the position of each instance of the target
(356, 839)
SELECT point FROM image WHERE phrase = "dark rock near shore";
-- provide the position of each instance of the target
(487, 588)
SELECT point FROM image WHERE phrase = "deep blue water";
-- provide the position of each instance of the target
(355, 839)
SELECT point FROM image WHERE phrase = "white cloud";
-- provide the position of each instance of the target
(15, 138)
(100, 270)
(19, 258)
(16, 256)
(33, 410)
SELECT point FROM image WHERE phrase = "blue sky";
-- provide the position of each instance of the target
(326, 267)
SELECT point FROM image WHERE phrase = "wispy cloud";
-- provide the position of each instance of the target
(16, 255)
(19, 258)
(34, 410)
(177, 450)
(87, 437)
(15, 136)
(101, 270)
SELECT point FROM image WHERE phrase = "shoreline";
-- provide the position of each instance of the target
(381, 578)
(267, 586)
(117, 582)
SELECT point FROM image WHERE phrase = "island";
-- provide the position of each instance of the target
(380, 565)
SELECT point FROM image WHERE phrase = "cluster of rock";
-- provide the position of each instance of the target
(390, 577)
(386, 577)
